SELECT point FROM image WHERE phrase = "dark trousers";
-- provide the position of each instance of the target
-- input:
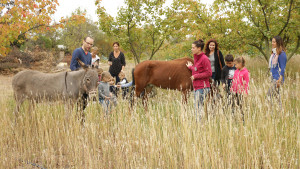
(113, 89)
(237, 102)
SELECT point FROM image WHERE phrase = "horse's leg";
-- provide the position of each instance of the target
(140, 89)
(185, 96)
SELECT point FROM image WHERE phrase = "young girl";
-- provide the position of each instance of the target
(240, 79)
(240, 82)
(105, 96)
(123, 81)
(95, 57)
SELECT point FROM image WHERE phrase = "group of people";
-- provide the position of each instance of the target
(110, 81)
(209, 71)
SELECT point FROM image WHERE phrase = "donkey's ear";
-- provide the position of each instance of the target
(81, 63)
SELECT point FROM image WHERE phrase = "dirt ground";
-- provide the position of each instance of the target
(5, 87)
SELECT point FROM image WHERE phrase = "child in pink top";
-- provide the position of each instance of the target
(240, 83)
(240, 79)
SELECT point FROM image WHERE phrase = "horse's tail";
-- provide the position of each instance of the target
(132, 73)
(132, 92)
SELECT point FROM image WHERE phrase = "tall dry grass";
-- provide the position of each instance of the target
(165, 136)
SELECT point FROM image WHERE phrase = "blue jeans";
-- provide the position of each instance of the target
(200, 96)
(274, 93)
(105, 104)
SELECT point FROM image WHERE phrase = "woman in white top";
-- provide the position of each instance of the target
(216, 59)
(95, 57)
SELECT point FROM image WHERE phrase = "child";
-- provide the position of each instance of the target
(240, 82)
(112, 87)
(100, 71)
(95, 57)
(227, 73)
(240, 78)
(105, 96)
(123, 81)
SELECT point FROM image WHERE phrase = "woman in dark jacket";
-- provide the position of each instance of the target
(117, 63)
(216, 59)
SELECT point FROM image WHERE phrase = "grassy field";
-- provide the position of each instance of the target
(165, 136)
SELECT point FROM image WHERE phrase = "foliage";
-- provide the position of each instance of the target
(72, 36)
(175, 50)
(21, 20)
(142, 26)
(43, 41)
(255, 22)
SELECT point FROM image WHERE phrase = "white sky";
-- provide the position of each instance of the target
(66, 7)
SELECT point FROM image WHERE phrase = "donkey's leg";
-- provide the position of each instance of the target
(19, 102)
(19, 98)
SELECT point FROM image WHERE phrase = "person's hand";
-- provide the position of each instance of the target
(278, 82)
(189, 64)
(192, 77)
(118, 86)
(107, 98)
(109, 63)
(224, 85)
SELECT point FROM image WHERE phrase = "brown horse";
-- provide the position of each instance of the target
(172, 74)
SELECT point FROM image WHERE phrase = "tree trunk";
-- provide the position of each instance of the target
(267, 49)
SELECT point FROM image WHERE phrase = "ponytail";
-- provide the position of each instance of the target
(199, 44)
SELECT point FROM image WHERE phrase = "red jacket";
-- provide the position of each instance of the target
(201, 70)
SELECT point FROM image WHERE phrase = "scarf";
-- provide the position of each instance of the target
(273, 59)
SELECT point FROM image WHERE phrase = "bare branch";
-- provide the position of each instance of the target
(295, 50)
(288, 18)
(253, 20)
(260, 49)
(264, 12)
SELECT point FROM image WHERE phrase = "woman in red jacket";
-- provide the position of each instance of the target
(201, 72)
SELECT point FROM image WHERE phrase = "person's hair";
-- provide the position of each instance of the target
(121, 73)
(207, 50)
(112, 80)
(229, 58)
(100, 70)
(87, 37)
(94, 48)
(240, 60)
(279, 44)
(199, 44)
(105, 74)
(116, 43)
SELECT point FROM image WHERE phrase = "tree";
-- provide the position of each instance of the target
(257, 21)
(72, 36)
(142, 26)
(23, 19)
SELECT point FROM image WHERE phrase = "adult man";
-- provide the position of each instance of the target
(82, 53)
